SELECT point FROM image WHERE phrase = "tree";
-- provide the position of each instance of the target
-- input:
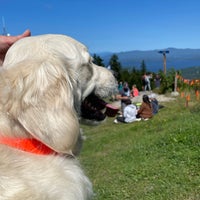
(168, 81)
(136, 78)
(125, 75)
(98, 60)
(115, 66)
(143, 67)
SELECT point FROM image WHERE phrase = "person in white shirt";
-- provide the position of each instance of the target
(147, 82)
(129, 113)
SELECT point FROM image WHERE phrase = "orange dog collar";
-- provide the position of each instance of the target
(27, 144)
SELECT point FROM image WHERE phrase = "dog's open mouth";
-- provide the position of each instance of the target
(93, 108)
(96, 109)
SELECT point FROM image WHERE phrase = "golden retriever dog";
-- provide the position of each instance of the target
(44, 80)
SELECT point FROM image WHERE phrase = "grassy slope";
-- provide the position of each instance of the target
(151, 160)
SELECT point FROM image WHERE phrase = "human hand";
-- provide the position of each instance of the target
(7, 41)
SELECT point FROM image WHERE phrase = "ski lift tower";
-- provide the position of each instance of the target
(164, 52)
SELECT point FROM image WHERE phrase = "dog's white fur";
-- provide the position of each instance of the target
(43, 81)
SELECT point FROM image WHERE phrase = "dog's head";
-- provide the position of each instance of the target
(43, 83)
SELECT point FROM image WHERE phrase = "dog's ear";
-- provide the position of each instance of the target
(41, 99)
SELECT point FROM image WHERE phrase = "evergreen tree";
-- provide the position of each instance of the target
(115, 66)
(136, 78)
(143, 67)
(125, 75)
(98, 60)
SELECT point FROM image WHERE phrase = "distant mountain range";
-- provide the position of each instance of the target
(176, 58)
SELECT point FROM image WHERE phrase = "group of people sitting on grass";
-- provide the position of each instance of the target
(130, 112)
(94, 108)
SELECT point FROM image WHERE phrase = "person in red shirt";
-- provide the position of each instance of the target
(134, 91)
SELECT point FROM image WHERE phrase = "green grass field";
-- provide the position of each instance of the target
(157, 159)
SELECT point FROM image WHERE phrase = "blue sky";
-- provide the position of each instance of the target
(109, 25)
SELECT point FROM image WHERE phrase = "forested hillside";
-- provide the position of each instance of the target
(191, 72)
(176, 58)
